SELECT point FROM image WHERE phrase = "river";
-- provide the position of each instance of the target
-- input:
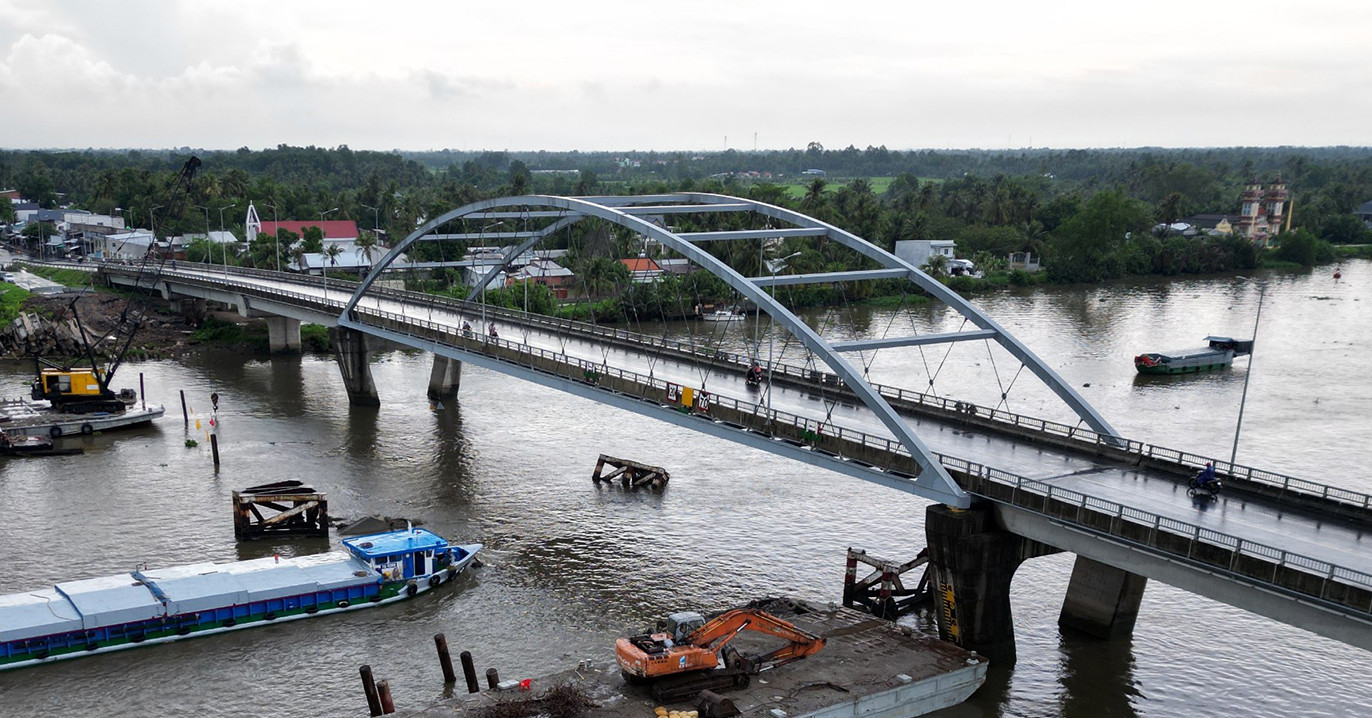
(569, 566)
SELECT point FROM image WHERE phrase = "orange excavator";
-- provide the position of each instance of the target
(684, 658)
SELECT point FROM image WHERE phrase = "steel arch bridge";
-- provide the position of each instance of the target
(629, 212)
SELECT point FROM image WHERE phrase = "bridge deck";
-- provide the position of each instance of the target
(1246, 517)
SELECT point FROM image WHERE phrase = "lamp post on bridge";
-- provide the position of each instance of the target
(276, 234)
(324, 267)
(1233, 454)
(221, 231)
(773, 266)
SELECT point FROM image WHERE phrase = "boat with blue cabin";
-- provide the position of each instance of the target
(147, 606)
(1218, 354)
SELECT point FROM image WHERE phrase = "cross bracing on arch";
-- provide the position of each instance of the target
(632, 212)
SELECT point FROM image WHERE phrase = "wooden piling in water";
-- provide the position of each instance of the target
(469, 672)
(185, 415)
(214, 448)
(492, 678)
(383, 690)
(444, 660)
(369, 688)
(142, 393)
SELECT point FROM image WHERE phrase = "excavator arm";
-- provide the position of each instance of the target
(717, 633)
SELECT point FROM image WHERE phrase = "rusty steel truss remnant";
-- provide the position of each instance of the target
(883, 592)
(632, 473)
(291, 509)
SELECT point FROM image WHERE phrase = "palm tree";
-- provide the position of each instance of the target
(935, 266)
(331, 253)
(367, 243)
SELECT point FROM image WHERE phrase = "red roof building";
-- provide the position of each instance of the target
(642, 269)
(335, 230)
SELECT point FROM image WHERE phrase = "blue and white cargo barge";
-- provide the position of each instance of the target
(147, 606)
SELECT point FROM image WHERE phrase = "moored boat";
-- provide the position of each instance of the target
(1218, 354)
(722, 315)
(147, 606)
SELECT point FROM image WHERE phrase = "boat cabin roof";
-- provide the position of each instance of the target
(395, 542)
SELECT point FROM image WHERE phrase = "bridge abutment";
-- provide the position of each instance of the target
(444, 379)
(1102, 601)
(350, 349)
(973, 561)
(283, 335)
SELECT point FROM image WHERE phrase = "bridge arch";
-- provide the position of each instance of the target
(626, 211)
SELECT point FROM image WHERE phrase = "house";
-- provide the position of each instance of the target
(351, 259)
(676, 266)
(122, 245)
(545, 272)
(918, 251)
(1364, 213)
(1214, 225)
(1024, 261)
(642, 270)
(336, 231)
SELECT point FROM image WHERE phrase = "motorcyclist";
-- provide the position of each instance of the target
(755, 373)
(1206, 475)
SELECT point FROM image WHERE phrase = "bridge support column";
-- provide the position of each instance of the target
(283, 335)
(350, 349)
(1102, 600)
(191, 309)
(444, 379)
(973, 561)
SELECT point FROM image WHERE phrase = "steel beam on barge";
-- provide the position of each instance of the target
(947, 338)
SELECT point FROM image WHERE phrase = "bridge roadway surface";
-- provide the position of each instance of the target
(1250, 518)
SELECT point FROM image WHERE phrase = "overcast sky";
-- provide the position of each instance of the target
(700, 75)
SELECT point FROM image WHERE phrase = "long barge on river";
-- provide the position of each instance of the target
(1217, 354)
(148, 606)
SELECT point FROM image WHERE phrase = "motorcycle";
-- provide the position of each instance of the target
(1209, 489)
(753, 378)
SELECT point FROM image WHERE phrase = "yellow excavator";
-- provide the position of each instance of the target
(685, 657)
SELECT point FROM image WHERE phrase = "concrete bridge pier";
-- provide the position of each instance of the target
(350, 349)
(444, 379)
(191, 309)
(973, 561)
(283, 335)
(1102, 601)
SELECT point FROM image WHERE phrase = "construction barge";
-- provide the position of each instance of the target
(19, 417)
(868, 667)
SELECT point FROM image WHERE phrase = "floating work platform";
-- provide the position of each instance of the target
(868, 667)
(31, 418)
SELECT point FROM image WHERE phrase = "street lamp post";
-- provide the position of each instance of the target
(1233, 455)
(226, 244)
(324, 268)
(773, 266)
(152, 226)
(276, 235)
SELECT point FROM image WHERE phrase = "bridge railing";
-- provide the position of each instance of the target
(1214, 550)
(1089, 439)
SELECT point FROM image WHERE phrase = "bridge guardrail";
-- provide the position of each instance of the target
(1271, 566)
(1088, 438)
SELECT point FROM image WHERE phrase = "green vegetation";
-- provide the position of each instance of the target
(1088, 214)
(315, 338)
(65, 277)
(12, 300)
